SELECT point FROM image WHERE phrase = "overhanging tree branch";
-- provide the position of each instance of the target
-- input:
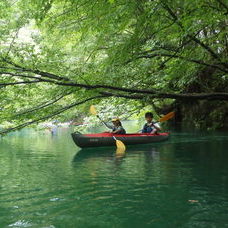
(42, 73)
(57, 112)
(190, 96)
(42, 106)
(204, 46)
(19, 83)
(152, 92)
(200, 62)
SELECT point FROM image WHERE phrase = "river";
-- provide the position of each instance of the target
(46, 181)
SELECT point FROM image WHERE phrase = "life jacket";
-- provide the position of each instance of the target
(147, 128)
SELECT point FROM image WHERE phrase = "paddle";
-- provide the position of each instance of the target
(166, 117)
(93, 111)
(119, 144)
(120, 153)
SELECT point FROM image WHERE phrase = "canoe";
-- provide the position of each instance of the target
(106, 139)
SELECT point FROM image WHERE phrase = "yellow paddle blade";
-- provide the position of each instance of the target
(120, 145)
(93, 110)
(167, 116)
(120, 152)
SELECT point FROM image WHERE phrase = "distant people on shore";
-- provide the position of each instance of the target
(53, 127)
(150, 126)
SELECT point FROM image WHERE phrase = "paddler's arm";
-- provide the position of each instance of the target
(117, 130)
(156, 126)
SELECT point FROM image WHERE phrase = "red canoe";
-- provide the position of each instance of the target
(106, 139)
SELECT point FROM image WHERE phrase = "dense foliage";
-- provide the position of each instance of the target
(58, 54)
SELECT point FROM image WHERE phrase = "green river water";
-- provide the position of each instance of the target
(46, 181)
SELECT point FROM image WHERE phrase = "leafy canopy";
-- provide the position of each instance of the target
(58, 54)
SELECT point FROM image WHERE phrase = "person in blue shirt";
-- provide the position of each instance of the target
(150, 126)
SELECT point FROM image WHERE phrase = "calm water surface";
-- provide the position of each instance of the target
(46, 181)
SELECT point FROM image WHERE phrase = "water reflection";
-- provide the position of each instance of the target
(48, 182)
(112, 153)
(88, 156)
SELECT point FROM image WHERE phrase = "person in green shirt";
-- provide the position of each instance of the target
(116, 127)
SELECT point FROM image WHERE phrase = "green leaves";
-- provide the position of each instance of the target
(168, 46)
